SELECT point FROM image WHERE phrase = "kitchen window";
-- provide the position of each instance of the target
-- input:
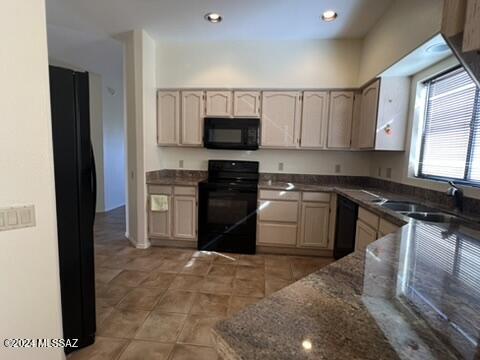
(450, 148)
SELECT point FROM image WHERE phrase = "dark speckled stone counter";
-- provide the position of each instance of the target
(411, 295)
(176, 177)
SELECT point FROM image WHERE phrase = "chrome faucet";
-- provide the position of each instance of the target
(457, 195)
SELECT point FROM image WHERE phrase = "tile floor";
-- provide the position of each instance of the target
(161, 303)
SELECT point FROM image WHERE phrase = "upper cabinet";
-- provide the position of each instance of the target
(280, 119)
(168, 117)
(246, 104)
(340, 119)
(193, 108)
(314, 119)
(219, 103)
(368, 118)
(384, 112)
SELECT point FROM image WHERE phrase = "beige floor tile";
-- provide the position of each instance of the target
(276, 260)
(187, 282)
(102, 313)
(300, 270)
(146, 350)
(111, 294)
(170, 266)
(105, 275)
(218, 284)
(115, 262)
(122, 323)
(226, 258)
(176, 301)
(102, 349)
(196, 267)
(250, 273)
(163, 327)
(204, 255)
(283, 272)
(197, 330)
(252, 288)
(210, 304)
(141, 298)
(222, 270)
(273, 285)
(146, 263)
(129, 278)
(158, 280)
(192, 352)
(252, 260)
(238, 303)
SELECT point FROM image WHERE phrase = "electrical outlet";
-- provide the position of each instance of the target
(389, 173)
(180, 164)
(338, 169)
(280, 166)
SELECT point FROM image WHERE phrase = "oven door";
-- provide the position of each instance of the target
(236, 134)
(227, 218)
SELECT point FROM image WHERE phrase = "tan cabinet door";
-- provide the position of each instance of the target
(280, 119)
(340, 119)
(159, 222)
(193, 108)
(219, 103)
(184, 218)
(168, 117)
(368, 120)
(246, 104)
(273, 234)
(364, 236)
(314, 119)
(314, 225)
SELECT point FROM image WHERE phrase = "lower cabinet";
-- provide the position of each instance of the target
(314, 225)
(293, 220)
(172, 213)
(364, 236)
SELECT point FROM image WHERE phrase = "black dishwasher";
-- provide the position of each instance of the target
(346, 224)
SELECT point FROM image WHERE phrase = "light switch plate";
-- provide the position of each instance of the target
(17, 217)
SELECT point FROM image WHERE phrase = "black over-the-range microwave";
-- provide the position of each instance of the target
(231, 133)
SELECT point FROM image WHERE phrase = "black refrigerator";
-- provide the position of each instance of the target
(75, 188)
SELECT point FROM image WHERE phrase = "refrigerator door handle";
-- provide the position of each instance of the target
(93, 181)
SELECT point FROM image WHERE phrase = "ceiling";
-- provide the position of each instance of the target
(182, 20)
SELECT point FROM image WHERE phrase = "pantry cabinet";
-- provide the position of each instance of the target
(193, 112)
(314, 119)
(280, 119)
(219, 103)
(246, 104)
(340, 119)
(168, 117)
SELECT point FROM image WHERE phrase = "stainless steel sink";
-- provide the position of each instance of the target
(406, 206)
(436, 217)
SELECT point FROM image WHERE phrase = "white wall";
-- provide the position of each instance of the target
(243, 64)
(104, 57)
(406, 25)
(304, 64)
(29, 266)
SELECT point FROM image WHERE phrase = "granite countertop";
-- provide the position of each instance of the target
(174, 177)
(414, 294)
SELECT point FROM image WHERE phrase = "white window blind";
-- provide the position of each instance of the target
(451, 137)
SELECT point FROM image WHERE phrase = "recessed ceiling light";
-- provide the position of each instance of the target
(329, 15)
(213, 17)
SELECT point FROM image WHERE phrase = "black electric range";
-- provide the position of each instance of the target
(227, 212)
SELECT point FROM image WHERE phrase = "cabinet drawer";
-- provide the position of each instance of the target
(160, 189)
(279, 195)
(282, 211)
(316, 196)
(387, 227)
(368, 218)
(277, 234)
(185, 190)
